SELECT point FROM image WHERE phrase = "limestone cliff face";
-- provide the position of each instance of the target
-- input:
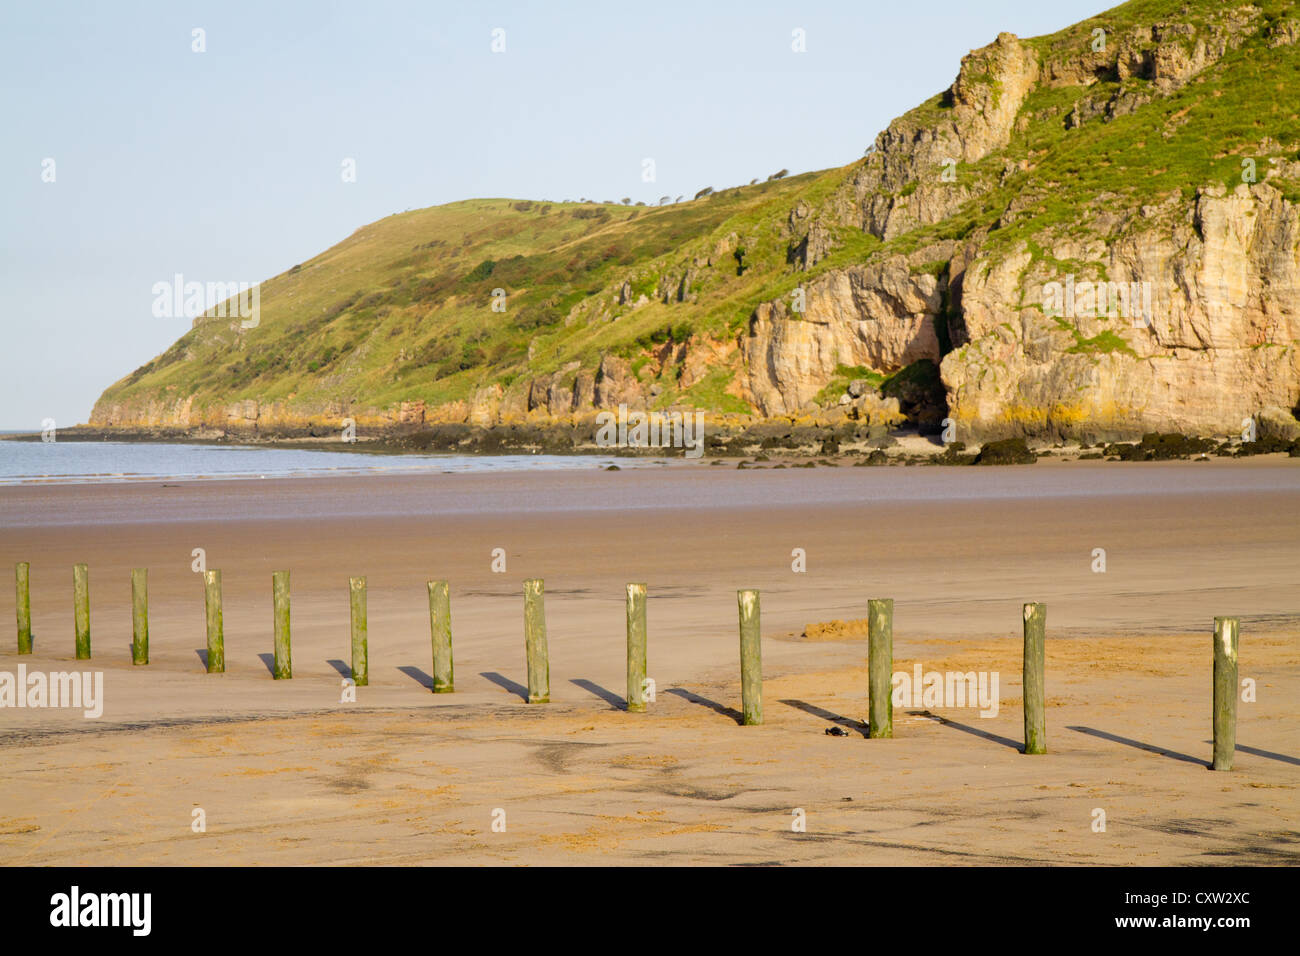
(881, 316)
(251, 417)
(1209, 341)
(907, 178)
(1217, 347)
(1204, 338)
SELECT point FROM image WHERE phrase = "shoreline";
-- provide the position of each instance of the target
(724, 439)
(748, 451)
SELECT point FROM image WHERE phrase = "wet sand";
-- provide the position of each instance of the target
(286, 773)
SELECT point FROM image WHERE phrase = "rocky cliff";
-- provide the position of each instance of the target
(1090, 234)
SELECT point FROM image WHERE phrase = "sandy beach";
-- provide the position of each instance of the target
(287, 773)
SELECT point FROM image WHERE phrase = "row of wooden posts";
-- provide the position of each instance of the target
(880, 649)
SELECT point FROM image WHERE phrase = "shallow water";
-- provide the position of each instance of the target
(68, 462)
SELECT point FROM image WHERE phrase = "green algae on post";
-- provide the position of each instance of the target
(636, 641)
(81, 609)
(880, 666)
(751, 658)
(444, 678)
(23, 605)
(139, 615)
(360, 648)
(283, 669)
(1034, 692)
(1226, 631)
(539, 666)
(215, 622)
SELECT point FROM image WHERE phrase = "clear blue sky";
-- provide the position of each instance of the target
(225, 165)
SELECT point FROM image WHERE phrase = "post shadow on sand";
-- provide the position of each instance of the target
(848, 723)
(1264, 753)
(987, 735)
(722, 709)
(1149, 748)
(611, 698)
(419, 676)
(203, 656)
(343, 667)
(502, 681)
(269, 661)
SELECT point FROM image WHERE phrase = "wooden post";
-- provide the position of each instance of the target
(216, 624)
(880, 666)
(23, 605)
(751, 658)
(360, 650)
(139, 615)
(1032, 680)
(81, 609)
(1226, 630)
(539, 664)
(636, 636)
(444, 677)
(283, 669)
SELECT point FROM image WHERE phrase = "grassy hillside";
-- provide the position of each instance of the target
(401, 310)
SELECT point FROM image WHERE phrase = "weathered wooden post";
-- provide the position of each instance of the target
(23, 605)
(216, 624)
(880, 666)
(1226, 630)
(636, 637)
(1032, 679)
(444, 677)
(139, 615)
(539, 665)
(751, 658)
(81, 609)
(360, 650)
(283, 669)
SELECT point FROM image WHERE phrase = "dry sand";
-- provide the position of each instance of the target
(286, 773)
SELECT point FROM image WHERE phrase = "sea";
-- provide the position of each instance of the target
(82, 462)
